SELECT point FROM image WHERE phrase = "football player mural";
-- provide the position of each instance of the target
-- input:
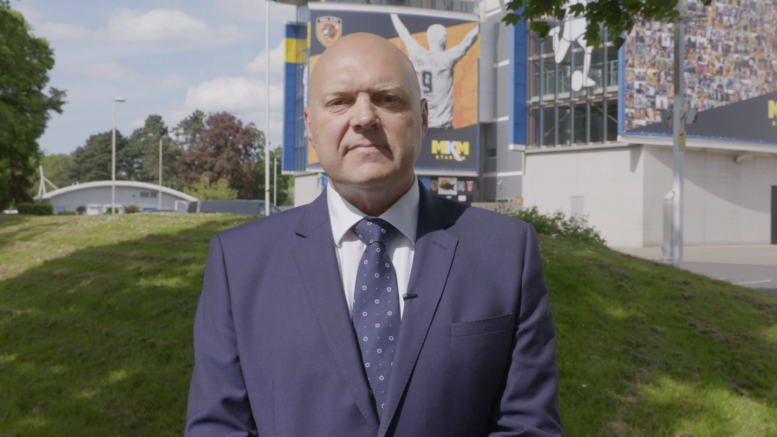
(574, 31)
(445, 55)
(434, 67)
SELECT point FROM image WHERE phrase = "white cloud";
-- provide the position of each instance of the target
(62, 31)
(161, 27)
(253, 10)
(232, 94)
(173, 81)
(166, 27)
(242, 96)
(108, 71)
(257, 65)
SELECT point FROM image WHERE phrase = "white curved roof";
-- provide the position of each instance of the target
(128, 184)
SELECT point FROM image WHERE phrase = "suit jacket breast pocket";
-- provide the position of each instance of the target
(484, 326)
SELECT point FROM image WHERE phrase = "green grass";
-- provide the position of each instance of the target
(96, 314)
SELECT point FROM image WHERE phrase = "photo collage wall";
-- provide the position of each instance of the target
(731, 55)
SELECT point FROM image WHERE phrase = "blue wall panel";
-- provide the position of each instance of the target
(516, 131)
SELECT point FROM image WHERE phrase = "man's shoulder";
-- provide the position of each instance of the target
(477, 223)
(264, 230)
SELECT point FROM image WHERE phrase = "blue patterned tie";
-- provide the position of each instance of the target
(376, 305)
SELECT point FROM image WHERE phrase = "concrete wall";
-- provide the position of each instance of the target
(306, 188)
(609, 180)
(98, 199)
(725, 202)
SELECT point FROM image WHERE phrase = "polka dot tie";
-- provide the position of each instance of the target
(376, 305)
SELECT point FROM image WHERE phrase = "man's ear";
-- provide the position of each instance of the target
(308, 131)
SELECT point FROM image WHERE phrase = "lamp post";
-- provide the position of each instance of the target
(275, 178)
(267, 109)
(162, 133)
(113, 157)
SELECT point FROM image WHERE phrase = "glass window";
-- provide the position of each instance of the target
(563, 125)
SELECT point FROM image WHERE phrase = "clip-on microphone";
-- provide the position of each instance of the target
(407, 296)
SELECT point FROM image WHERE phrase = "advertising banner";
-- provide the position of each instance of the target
(455, 188)
(444, 50)
(730, 60)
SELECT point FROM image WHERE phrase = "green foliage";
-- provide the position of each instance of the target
(111, 211)
(96, 325)
(81, 210)
(618, 16)
(35, 209)
(143, 154)
(57, 168)
(92, 161)
(557, 225)
(285, 182)
(204, 189)
(187, 131)
(131, 208)
(67, 213)
(226, 150)
(24, 108)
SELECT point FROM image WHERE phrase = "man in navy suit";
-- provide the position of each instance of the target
(378, 309)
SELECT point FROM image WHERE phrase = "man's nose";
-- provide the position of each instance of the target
(364, 114)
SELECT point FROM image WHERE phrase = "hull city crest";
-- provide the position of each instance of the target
(328, 29)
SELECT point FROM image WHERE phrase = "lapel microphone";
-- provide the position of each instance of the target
(409, 296)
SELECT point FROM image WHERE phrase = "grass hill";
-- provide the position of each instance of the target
(96, 315)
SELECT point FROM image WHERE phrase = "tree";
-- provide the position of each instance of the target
(618, 16)
(188, 129)
(24, 108)
(225, 149)
(92, 161)
(57, 168)
(285, 182)
(143, 154)
(204, 189)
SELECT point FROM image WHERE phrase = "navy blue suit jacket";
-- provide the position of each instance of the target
(276, 354)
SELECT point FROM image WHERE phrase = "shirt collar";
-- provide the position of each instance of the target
(403, 214)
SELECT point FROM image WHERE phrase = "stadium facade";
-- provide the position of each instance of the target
(563, 126)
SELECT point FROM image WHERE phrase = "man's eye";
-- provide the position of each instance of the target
(337, 102)
(389, 99)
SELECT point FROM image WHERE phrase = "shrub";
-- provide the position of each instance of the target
(205, 189)
(108, 210)
(67, 213)
(557, 224)
(81, 209)
(131, 208)
(36, 208)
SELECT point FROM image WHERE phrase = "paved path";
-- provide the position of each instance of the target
(749, 266)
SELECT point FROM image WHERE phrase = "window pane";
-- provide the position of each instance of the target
(612, 120)
(563, 125)
(597, 113)
(548, 130)
(580, 124)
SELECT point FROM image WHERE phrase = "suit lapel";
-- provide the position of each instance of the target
(434, 252)
(316, 261)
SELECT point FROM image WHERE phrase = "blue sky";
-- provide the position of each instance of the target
(166, 57)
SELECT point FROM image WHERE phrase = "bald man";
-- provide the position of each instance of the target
(378, 309)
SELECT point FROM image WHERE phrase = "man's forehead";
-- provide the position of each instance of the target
(347, 87)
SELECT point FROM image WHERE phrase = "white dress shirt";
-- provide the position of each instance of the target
(403, 215)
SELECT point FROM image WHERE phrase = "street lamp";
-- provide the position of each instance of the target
(113, 157)
(275, 178)
(162, 133)
(267, 109)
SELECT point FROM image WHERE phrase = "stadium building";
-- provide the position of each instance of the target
(562, 126)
